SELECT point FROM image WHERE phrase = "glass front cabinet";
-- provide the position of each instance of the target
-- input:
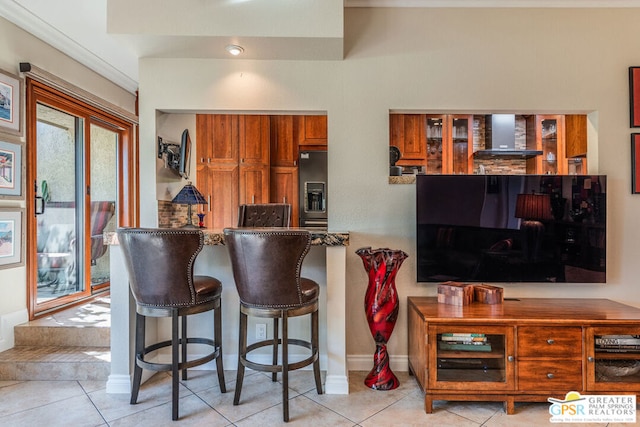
(461, 355)
(613, 358)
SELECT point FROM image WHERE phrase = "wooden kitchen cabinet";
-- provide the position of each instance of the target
(536, 348)
(439, 144)
(284, 189)
(233, 164)
(283, 146)
(407, 132)
(311, 132)
(550, 139)
(284, 163)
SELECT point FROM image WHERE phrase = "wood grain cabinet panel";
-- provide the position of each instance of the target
(549, 342)
(550, 375)
(312, 132)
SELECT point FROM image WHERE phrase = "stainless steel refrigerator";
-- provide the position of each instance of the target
(312, 176)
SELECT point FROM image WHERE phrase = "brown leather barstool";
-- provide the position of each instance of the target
(160, 266)
(266, 264)
(264, 215)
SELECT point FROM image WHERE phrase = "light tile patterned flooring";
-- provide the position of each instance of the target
(85, 403)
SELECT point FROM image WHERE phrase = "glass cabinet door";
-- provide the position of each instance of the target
(436, 136)
(462, 355)
(551, 137)
(613, 358)
(461, 141)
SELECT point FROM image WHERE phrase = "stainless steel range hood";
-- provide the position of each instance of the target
(500, 138)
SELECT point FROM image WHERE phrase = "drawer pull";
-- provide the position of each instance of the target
(550, 375)
(550, 341)
(510, 358)
(590, 359)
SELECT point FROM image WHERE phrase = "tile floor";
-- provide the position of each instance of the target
(85, 403)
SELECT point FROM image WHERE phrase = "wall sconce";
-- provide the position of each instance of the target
(234, 49)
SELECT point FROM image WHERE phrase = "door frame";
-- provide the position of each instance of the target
(127, 182)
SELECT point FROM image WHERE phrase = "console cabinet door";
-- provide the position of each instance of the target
(488, 364)
(613, 359)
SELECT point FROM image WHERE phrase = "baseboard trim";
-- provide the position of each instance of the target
(7, 323)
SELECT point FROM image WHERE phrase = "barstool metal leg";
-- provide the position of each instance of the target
(217, 341)
(175, 344)
(242, 353)
(183, 345)
(139, 353)
(315, 350)
(285, 365)
(274, 375)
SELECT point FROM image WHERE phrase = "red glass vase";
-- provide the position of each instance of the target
(381, 308)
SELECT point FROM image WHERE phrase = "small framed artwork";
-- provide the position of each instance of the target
(11, 248)
(635, 163)
(10, 103)
(10, 169)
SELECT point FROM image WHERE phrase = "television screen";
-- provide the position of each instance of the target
(511, 228)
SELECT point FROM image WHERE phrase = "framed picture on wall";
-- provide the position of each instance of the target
(10, 169)
(635, 163)
(10, 103)
(11, 248)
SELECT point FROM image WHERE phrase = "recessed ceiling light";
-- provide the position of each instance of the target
(234, 50)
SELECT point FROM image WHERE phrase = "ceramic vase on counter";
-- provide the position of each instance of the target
(381, 308)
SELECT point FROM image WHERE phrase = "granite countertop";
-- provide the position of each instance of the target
(216, 237)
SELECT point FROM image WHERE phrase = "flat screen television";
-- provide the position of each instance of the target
(511, 228)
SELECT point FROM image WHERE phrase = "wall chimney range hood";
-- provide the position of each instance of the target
(500, 139)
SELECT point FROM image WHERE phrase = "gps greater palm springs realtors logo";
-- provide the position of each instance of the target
(593, 408)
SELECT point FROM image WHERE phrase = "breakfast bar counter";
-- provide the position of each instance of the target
(325, 263)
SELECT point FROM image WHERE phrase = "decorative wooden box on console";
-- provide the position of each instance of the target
(526, 349)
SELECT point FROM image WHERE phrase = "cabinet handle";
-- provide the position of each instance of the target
(209, 202)
(550, 375)
(550, 341)
(590, 359)
(284, 199)
(510, 358)
(253, 198)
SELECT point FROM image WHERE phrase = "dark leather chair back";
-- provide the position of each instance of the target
(264, 215)
(266, 265)
(160, 264)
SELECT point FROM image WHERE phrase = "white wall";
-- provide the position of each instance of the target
(18, 46)
(554, 60)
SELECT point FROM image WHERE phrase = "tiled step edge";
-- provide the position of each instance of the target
(55, 363)
(30, 335)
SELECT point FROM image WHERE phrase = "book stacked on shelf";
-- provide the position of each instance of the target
(618, 343)
(464, 342)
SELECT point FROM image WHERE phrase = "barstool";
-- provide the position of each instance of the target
(160, 266)
(266, 264)
(264, 215)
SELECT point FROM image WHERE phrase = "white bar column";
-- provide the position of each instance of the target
(337, 380)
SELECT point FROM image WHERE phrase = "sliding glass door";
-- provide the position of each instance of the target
(77, 184)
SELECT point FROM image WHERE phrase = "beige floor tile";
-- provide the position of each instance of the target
(192, 412)
(76, 411)
(156, 391)
(409, 411)
(478, 412)
(527, 415)
(258, 394)
(302, 412)
(27, 395)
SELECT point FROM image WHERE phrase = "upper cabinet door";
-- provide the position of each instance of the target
(284, 147)
(254, 140)
(217, 138)
(312, 132)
